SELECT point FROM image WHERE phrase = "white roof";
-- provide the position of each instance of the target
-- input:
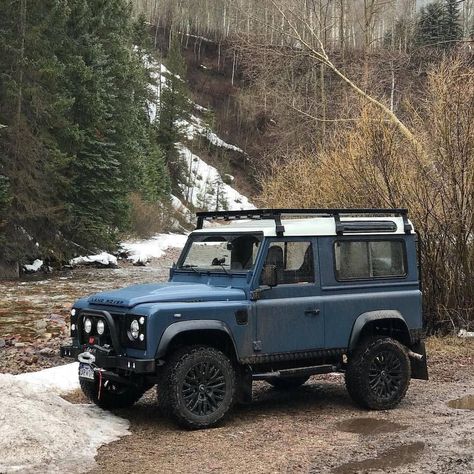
(311, 226)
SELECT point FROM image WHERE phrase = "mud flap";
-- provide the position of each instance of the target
(419, 368)
(244, 386)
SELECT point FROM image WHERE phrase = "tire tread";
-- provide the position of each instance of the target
(354, 377)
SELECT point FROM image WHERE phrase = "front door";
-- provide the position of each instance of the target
(289, 315)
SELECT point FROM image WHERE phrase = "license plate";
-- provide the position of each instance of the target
(86, 371)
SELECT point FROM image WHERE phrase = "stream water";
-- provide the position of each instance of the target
(37, 307)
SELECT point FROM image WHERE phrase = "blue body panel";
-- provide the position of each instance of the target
(284, 319)
(164, 292)
(345, 301)
(283, 314)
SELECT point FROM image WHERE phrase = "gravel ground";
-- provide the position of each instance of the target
(314, 429)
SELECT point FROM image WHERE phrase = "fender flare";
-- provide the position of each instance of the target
(370, 316)
(192, 325)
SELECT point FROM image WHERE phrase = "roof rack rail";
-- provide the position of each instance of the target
(276, 215)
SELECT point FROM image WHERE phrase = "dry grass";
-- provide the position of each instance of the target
(373, 165)
(76, 397)
(450, 346)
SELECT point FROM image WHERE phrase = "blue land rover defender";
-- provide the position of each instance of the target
(269, 294)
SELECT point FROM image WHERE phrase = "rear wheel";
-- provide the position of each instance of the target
(378, 373)
(112, 395)
(287, 383)
(197, 386)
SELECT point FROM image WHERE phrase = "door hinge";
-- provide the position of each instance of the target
(257, 346)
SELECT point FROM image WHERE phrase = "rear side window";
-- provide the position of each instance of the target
(364, 259)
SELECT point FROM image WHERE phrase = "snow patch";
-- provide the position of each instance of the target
(62, 378)
(103, 258)
(41, 432)
(200, 108)
(196, 127)
(204, 183)
(34, 267)
(205, 188)
(141, 251)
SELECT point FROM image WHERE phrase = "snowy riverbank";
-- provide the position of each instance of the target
(42, 432)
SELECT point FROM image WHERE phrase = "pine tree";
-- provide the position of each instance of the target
(110, 85)
(439, 24)
(156, 184)
(452, 26)
(75, 138)
(431, 23)
(173, 111)
(31, 105)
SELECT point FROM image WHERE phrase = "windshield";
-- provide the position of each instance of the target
(221, 252)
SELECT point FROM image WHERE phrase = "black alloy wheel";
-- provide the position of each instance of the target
(204, 388)
(197, 386)
(385, 375)
(378, 373)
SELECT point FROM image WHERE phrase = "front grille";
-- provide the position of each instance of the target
(104, 339)
(122, 323)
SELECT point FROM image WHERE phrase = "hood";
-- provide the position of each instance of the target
(165, 292)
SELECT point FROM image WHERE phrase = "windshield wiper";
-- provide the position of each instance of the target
(219, 262)
(190, 267)
(223, 268)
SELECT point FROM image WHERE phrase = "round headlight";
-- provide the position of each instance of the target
(134, 329)
(73, 312)
(100, 327)
(88, 326)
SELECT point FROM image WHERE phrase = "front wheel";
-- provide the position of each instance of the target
(378, 373)
(197, 387)
(112, 395)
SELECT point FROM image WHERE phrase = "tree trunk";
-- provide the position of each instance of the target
(9, 270)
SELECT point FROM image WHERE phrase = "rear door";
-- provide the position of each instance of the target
(289, 316)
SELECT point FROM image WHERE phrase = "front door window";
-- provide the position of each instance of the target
(293, 261)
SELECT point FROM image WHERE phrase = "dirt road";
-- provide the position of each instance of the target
(315, 429)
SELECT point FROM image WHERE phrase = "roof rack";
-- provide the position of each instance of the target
(341, 227)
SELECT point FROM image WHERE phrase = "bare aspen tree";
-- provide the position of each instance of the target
(315, 49)
(342, 26)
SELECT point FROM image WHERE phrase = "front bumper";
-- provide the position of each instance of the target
(104, 359)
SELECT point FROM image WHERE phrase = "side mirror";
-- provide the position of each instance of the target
(269, 275)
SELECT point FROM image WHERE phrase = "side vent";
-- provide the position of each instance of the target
(241, 316)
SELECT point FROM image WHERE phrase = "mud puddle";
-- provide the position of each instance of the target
(463, 403)
(369, 426)
(390, 459)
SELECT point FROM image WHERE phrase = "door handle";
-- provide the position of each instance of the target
(312, 312)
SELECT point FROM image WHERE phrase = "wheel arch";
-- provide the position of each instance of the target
(387, 322)
(214, 333)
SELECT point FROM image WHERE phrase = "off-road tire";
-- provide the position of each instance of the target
(123, 397)
(378, 373)
(287, 383)
(197, 386)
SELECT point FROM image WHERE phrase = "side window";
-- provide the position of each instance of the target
(365, 259)
(293, 260)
